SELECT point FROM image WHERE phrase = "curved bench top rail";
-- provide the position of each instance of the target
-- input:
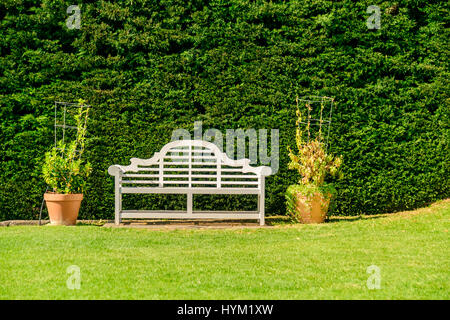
(211, 157)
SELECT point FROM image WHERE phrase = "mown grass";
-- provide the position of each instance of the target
(327, 261)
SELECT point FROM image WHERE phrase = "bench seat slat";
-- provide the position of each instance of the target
(193, 190)
(178, 214)
(228, 176)
(214, 169)
(139, 175)
(183, 182)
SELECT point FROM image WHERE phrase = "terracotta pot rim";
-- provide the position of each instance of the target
(51, 196)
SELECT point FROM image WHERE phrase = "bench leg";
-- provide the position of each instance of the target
(261, 203)
(189, 203)
(117, 205)
(261, 210)
(117, 215)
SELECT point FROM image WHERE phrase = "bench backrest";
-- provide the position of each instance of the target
(190, 164)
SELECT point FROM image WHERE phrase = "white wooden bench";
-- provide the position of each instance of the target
(189, 167)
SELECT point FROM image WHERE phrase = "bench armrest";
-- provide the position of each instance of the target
(264, 171)
(114, 170)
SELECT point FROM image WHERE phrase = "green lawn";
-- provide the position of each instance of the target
(326, 261)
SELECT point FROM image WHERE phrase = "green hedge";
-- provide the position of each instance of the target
(148, 68)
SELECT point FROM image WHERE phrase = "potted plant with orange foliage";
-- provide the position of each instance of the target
(309, 200)
(65, 172)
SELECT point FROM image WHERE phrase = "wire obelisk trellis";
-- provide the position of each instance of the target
(319, 110)
(66, 108)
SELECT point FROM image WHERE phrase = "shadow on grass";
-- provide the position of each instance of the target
(335, 219)
(285, 220)
(95, 223)
(277, 220)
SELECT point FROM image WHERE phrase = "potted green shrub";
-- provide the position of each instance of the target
(309, 200)
(65, 172)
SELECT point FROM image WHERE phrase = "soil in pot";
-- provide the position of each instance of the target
(63, 208)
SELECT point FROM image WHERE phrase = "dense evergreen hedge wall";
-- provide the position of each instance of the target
(149, 68)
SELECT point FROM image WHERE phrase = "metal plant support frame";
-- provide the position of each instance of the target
(321, 100)
(63, 126)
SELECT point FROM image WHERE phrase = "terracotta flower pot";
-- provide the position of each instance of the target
(63, 208)
(313, 209)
